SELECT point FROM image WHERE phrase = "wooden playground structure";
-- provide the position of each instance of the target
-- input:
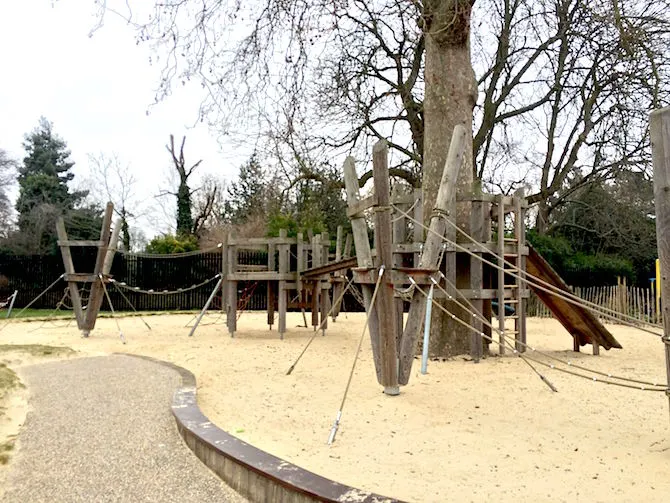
(489, 266)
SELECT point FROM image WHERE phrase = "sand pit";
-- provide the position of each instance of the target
(464, 432)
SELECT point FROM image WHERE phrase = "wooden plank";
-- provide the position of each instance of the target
(363, 256)
(578, 321)
(231, 293)
(80, 277)
(70, 243)
(69, 269)
(431, 250)
(262, 276)
(660, 148)
(358, 207)
(388, 327)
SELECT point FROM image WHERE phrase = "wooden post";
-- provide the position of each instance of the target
(431, 250)
(338, 278)
(520, 232)
(660, 148)
(388, 326)
(501, 274)
(417, 235)
(315, 284)
(399, 237)
(96, 295)
(300, 266)
(359, 230)
(477, 220)
(272, 286)
(324, 286)
(224, 271)
(284, 251)
(231, 295)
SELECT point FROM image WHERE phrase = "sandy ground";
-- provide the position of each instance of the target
(463, 432)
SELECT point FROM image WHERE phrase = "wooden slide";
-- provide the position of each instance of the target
(584, 327)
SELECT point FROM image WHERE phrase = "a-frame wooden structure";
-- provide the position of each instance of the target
(87, 315)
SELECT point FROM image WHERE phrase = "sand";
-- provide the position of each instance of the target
(463, 432)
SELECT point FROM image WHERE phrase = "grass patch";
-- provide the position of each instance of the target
(8, 380)
(37, 349)
(5, 449)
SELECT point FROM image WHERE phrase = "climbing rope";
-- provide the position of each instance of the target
(338, 417)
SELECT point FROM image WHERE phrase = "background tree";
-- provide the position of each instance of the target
(112, 180)
(44, 194)
(183, 194)
(7, 177)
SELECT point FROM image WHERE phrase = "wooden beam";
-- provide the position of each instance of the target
(388, 321)
(660, 148)
(69, 269)
(358, 207)
(283, 260)
(431, 251)
(68, 242)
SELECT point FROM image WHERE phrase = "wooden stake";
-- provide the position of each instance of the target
(660, 148)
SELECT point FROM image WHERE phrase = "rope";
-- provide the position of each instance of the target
(336, 423)
(553, 367)
(170, 255)
(34, 300)
(104, 289)
(323, 322)
(137, 289)
(559, 292)
(246, 298)
(481, 317)
(399, 217)
(130, 304)
(566, 296)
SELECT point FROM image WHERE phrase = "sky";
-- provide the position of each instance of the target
(98, 92)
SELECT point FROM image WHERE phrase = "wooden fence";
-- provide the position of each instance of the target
(634, 302)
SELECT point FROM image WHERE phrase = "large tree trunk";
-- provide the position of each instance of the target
(451, 93)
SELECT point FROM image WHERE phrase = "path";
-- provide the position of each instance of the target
(100, 429)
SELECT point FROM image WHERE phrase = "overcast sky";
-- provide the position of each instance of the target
(97, 92)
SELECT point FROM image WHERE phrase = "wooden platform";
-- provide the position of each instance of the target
(584, 327)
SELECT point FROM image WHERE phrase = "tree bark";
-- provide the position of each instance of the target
(451, 93)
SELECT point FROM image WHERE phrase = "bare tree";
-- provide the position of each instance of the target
(113, 180)
(183, 194)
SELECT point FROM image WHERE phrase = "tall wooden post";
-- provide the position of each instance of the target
(338, 278)
(660, 147)
(388, 322)
(359, 230)
(431, 251)
(477, 221)
(231, 294)
(281, 289)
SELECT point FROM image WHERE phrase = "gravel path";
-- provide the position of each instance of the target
(100, 429)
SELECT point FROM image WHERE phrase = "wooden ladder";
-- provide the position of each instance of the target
(511, 288)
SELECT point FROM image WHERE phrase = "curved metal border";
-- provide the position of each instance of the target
(254, 473)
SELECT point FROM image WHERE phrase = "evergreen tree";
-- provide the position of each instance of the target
(250, 196)
(44, 194)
